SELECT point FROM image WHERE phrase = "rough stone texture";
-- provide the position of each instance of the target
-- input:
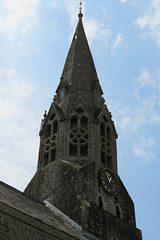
(74, 191)
(24, 218)
(68, 174)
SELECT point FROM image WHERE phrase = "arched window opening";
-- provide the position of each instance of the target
(78, 135)
(52, 116)
(84, 150)
(100, 202)
(55, 124)
(53, 155)
(118, 213)
(102, 129)
(109, 133)
(109, 161)
(74, 122)
(105, 119)
(45, 161)
(73, 150)
(102, 157)
(84, 122)
(48, 130)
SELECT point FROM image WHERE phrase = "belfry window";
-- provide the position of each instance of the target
(78, 134)
(54, 126)
(106, 151)
(74, 122)
(50, 141)
(53, 155)
(47, 130)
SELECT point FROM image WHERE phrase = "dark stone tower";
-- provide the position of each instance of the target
(77, 166)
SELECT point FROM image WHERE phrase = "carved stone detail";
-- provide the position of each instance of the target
(12, 229)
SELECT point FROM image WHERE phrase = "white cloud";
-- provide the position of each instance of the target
(142, 117)
(55, 4)
(18, 129)
(95, 30)
(72, 8)
(144, 149)
(149, 22)
(146, 79)
(123, 1)
(17, 19)
(146, 109)
(118, 43)
(150, 80)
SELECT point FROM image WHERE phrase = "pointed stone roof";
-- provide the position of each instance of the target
(79, 73)
(79, 60)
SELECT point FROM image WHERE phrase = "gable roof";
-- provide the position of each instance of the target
(30, 211)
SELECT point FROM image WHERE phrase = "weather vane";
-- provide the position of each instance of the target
(80, 8)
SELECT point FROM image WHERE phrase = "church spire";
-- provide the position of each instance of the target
(79, 73)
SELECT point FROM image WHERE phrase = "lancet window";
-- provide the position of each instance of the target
(78, 134)
(100, 202)
(106, 150)
(62, 94)
(50, 140)
(118, 212)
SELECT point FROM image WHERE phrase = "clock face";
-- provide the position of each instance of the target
(108, 181)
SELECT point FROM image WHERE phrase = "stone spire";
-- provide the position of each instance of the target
(79, 73)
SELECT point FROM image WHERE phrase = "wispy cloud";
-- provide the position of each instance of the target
(18, 19)
(144, 149)
(119, 42)
(54, 4)
(143, 114)
(148, 80)
(123, 1)
(149, 22)
(72, 8)
(96, 31)
(17, 128)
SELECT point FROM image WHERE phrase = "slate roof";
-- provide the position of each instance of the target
(16, 200)
(79, 60)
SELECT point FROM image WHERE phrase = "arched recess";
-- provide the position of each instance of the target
(101, 202)
(50, 140)
(47, 131)
(106, 145)
(118, 211)
(78, 138)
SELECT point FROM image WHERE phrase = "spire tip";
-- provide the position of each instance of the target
(80, 15)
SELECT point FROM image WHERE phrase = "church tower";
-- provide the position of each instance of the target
(77, 165)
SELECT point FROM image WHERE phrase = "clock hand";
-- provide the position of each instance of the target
(108, 177)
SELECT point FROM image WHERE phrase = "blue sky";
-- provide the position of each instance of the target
(124, 37)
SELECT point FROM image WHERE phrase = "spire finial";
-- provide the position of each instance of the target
(80, 9)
